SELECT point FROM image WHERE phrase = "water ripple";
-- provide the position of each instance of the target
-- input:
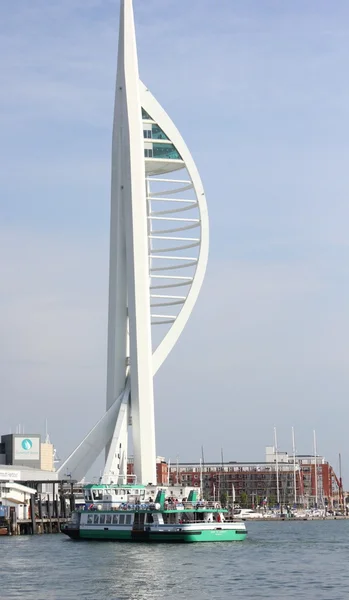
(287, 560)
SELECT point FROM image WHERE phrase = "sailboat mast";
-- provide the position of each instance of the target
(277, 468)
(294, 467)
(315, 470)
(201, 488)
(341, 495)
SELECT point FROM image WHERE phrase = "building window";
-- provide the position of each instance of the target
(157, 133)
(148, 153)
(146, 115)
(147, 133)
(166, 151)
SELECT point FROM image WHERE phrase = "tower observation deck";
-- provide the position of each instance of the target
(158, 257)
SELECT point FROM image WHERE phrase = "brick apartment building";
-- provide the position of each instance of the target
(305, 480)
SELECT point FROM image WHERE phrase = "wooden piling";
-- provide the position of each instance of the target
(32, 515)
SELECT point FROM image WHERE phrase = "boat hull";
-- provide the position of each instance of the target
(210, 535)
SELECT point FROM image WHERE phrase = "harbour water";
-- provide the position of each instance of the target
(278, 560)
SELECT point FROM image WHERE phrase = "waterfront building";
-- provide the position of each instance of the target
(25, 457)
(304, 480)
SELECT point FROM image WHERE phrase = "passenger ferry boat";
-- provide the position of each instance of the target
(129, 513)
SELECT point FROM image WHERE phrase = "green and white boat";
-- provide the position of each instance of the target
(127, 513)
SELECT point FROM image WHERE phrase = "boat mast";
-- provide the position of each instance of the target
(201, 491)
(294, 467)
(315, 470)
(277, 468)
(341, 495)
(202, 466)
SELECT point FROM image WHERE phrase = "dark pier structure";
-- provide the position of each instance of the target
(44, 515)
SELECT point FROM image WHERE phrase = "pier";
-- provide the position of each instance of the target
(36, 507)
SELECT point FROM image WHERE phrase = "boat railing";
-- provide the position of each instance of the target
(198, 504)
(151, 506)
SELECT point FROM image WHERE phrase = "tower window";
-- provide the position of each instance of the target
(146, 115)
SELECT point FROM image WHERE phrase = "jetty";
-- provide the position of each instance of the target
(36, 507)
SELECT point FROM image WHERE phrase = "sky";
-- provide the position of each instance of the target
(259, 91)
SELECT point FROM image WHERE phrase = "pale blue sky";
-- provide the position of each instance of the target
(260, 93)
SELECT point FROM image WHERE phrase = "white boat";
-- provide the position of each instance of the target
(247, 513)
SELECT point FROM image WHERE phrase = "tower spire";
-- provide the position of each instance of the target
(152, 209)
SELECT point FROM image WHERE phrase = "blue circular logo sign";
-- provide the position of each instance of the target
(27, 444)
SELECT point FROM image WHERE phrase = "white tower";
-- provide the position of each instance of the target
(152, 226)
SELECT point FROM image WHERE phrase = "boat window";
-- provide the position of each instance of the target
(121, 519)
(102, 519)
(128, 519)
(89, 519)
(96, 519)
(108, 519)
(115, 519)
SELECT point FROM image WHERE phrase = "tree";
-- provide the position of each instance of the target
(271, 500)
(243, 500)
(224, 499)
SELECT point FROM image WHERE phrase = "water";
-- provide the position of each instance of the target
(279, 560)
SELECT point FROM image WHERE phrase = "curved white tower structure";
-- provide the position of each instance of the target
(158, 257)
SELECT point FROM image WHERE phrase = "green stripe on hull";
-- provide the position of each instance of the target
(204, 536)
(90, 534)
(182, 537)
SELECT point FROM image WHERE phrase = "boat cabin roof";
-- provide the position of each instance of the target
(154, 510)
(109, 486)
